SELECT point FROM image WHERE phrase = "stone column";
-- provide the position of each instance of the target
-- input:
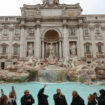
(0, 39)
(65, 40)
(37, 41)
(60, 50)
(10, 47)
(103, 33)
(43, 49)
(34, 41)
(22, 41)
(80, 50)
(92, 35)
(25, 44)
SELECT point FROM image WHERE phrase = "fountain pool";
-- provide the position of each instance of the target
(66, 88)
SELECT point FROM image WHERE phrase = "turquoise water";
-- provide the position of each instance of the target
(66, 88)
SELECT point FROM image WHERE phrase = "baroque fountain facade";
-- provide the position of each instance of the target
(54, 40)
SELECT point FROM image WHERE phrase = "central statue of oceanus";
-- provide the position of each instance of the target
(50, 2)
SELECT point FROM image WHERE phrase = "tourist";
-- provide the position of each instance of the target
(95, 95)
(14, 92)
(0, 100)
(59, 98)
(12, 99)
(76, 100)
(91, 100)
(101, 98)
(4, 98)
(42, 98)
(27, 99)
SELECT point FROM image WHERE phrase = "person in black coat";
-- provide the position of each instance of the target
(77, 100)
(42, 98)
(59, 98)
(27, 99)
(101, 98)
(91, 100)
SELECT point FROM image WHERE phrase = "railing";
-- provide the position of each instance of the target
(95, 17)
(15, 56)
(100, 54)
(16, 38)
(87, 37)
(73, 37)
(89, 55)
(8, 18)
(4, 55)
(98, 37)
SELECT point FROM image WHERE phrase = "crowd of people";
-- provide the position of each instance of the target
(11, 100)
(59, 98)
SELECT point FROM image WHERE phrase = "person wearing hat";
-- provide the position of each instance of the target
(42, 98)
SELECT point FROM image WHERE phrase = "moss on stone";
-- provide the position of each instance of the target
(32, 75)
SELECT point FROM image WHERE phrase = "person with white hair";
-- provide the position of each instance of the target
(27, 99)
(77, 100)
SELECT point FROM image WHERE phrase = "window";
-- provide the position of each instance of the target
(86, 30)
(99, 48)
(6, 19)
(73, 31)
(88, 49)
(5, 31)
(2, 65)
(96, 17)
(97, 30)
(17, 31)
(4, 49)
(15, 50)
(14, 63)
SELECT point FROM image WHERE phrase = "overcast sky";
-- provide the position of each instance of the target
(12, 7)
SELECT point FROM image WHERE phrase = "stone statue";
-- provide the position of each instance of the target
(56, 2)
(50, 2)
(38, 11)
(45, 2)
(30, 50)
(63, 10)
(73, 49)
(74, 59)
(51, 51)
(51, 57)
(65, 63)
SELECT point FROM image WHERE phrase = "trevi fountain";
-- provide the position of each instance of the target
(51, 62)
(70, 62)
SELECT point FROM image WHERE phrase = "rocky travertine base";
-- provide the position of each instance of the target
(74, 70)
(100, 72)
(7, 76)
